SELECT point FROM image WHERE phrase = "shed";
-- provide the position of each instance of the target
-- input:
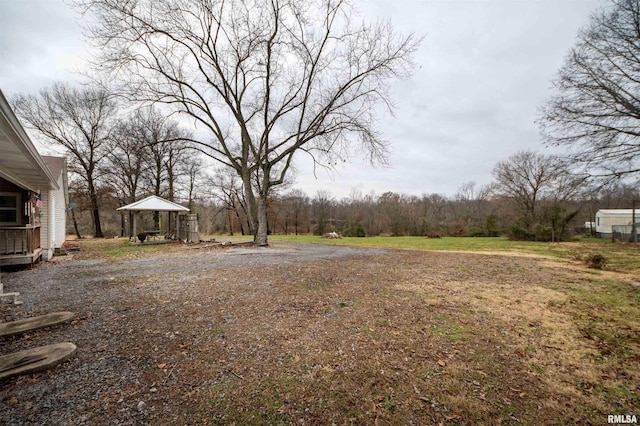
(606, 219)
(155, 204)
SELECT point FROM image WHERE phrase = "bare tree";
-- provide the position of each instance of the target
(226, 187)
(263, 80)
(321, 206)
(165, 145)
(536, 185)
(295, 210)
(392, 207)
(80, 121)
(128, 160)
(471, 208)
(192, 169)
(596, 106)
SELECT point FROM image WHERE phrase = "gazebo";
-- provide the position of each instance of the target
(155, 204)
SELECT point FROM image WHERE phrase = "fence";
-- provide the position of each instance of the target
(625, 232)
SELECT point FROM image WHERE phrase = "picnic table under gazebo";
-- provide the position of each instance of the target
(155, 204)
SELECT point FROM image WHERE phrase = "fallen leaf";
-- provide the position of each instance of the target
(441, 363)
(522, 395)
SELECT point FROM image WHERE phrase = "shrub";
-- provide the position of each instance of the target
(475, 231)
(538, 232)
(520, 233)
(596, 261)
(491, 226)
(542, 232)
(354, 231)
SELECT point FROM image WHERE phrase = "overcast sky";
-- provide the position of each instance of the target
(485, 67)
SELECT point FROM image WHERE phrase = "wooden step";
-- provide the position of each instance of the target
(36, 359)
(10, 298)
(33, 323)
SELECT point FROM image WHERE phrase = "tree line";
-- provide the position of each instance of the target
(119, 157)
(531, 198)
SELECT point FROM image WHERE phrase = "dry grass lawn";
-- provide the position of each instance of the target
(402, 338)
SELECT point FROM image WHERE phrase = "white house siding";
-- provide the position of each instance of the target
(48, 205)
(60, 217)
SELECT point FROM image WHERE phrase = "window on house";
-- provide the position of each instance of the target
(9, 208)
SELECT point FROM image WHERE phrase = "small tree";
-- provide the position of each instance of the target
(537, 186)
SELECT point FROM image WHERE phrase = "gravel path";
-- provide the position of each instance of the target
(98, 386)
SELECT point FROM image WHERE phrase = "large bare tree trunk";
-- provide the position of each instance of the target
(75, 224)
(251, 201)
(260, 237)
(95, 210)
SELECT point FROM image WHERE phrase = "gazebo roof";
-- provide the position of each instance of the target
(154, 203)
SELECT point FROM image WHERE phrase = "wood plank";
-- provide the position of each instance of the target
(36, 359)
(34, 323)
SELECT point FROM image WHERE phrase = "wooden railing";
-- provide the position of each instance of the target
(19, 240)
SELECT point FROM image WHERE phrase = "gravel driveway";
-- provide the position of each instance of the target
(95, 387)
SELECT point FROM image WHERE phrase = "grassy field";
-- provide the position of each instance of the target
(622, 257)
(422, 336)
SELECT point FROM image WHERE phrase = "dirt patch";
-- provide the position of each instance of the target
(312, 334)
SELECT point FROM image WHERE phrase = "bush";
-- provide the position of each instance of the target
(475, 231)
(596, 261)
(520, 233)
(354, 231)
(542, 232)
(491, 226)
(538, 232)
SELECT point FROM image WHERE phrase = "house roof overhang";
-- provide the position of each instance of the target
(20, 162)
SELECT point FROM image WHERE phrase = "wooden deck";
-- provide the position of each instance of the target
(21, 259)
(20, 245)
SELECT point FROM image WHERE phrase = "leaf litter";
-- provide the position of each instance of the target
(304, 334)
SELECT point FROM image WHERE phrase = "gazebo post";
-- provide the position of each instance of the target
(177, 227)
(135, 226)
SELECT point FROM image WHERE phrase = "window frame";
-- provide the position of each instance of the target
(17, 208)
